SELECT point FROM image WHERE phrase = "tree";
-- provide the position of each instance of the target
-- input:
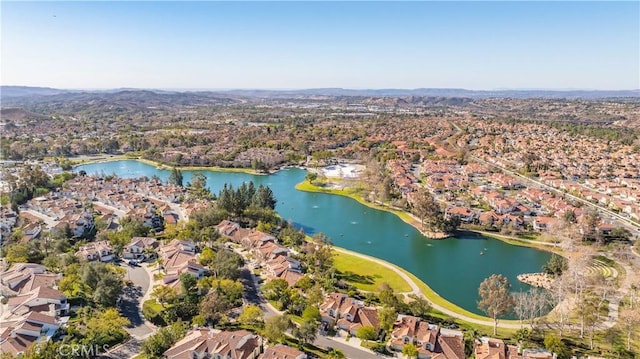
(198, 187)
(99, 281)
(163, 339)
(106, 328)
(275, 328)
(555, 345)
(335, 354)
(175, 177)
(387, 296)
(590, 310)
(367, 332)
(207, 257)
(164, 294)
(306, 332)
(427, 209)
(251, 314)
(410, 350)
(290, 236)
(227, 264)
(419, 307)
(264, 198)
(629, 322)
(311, 314)
(311, 176)
(386, 317)
(522, 336)
(529, 305)
(188, 283)
(213, 306)
(108, 290)
(555, 266)
(589, 226)
(495, 298)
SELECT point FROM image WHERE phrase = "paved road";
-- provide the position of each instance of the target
(131, 306)
(126, 350)
(50, 222)
(349, 351)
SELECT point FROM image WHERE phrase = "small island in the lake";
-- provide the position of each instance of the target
(540, 280)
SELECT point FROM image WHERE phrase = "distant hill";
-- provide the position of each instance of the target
(21, 91)
(144, 97)
(20, 114)
(68, 102)
(437, 92)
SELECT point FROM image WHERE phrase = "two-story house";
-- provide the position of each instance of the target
(201, 343)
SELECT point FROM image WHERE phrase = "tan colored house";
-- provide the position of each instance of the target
(96, 251)
(25, 277)
(179, 257)
(432, 341)
(136, 248)
(282, 352)
(490, 348)
(347, 313)
(201, 343)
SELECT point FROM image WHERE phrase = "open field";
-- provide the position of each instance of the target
(367, 275)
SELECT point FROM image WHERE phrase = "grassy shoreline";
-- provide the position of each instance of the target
(306, 186)
(167, 167)
(432, 296)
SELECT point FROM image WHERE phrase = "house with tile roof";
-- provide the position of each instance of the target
(138, 245)
(17, 336)
(432, 341)
(347, 313)
(96, 251)
(490, 348)
(282, 352)
(25, 277)
(201, 343)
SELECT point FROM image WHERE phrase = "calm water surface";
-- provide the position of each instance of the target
(453, 268)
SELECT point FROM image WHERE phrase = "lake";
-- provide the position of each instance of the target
(454, 267)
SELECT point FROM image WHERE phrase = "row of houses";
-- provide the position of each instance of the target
(203, 343)
(490, 348)
(34, 309)
(273, 257)
(149, 201)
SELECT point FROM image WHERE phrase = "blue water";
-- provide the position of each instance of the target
(454, 268)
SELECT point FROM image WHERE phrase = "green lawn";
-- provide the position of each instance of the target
(367, 275)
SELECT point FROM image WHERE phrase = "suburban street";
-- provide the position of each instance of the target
(131, 307)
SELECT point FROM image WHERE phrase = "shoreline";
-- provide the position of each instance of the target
(437, 302)
(537, 280)
(407, 218)
(162, 166)
(306, 186)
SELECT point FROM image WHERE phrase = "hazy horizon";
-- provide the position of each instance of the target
(488, 46)
(319, 88)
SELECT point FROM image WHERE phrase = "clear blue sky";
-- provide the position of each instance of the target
(473, 45)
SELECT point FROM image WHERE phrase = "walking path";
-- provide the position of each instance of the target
(416, 291)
